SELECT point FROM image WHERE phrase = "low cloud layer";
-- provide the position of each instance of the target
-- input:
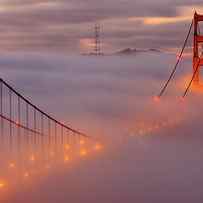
(152, 150)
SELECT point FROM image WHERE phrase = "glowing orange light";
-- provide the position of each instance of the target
(163, 20)
(82, 142)
(156, 99)
(11, 165)
(86, 43)
(198, 87)
(66, 158)
(32, 158)
(2, 184)
(67, 146)
(83, 152)
(26, 174)
(98, 147)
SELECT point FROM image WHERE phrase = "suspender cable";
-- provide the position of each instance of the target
(42, 112)
(193, 77)
(177, 63)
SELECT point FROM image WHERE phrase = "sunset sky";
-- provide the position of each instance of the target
(133, 145)
(67, 25)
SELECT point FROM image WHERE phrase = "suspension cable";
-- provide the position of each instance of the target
(192, 79)
(178, 61)
(12, 90)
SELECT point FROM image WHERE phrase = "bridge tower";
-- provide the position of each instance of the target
(198, 42)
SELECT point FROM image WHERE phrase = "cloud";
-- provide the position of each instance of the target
(59, 26)
(149, 147)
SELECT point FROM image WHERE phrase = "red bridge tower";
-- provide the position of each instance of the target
(198, 41)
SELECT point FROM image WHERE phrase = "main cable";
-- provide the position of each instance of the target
(178, 61)
(193, 77)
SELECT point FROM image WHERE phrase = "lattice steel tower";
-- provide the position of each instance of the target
(97, 42)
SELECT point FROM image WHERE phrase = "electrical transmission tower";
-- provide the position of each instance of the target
(97, 43)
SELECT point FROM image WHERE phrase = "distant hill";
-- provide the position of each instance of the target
(126, 52)
(130, 51)
(92, 54)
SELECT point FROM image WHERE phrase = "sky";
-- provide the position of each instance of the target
(152, 150)
(68, 25)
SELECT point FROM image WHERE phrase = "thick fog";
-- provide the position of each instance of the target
(152, 150)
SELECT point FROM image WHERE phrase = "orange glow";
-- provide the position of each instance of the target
(98, 147)
(86, 43)
(155, 21)
(82, 142)
(66, 158)
(165, 20)
(156, 99)
(67, 146)
(146, 129)
(26, 174)
(83, 152)
(32, 158)
(11, 165)
(2, 184)
(197, 87)
(184, 81)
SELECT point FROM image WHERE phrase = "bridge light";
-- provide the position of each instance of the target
(32, 158)
(11, 165)
(156, 99)
(83, 152)
(82, 142)
(66, 158)
(67, 146)
(26, 174)
(2, 184)
(98, 146)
